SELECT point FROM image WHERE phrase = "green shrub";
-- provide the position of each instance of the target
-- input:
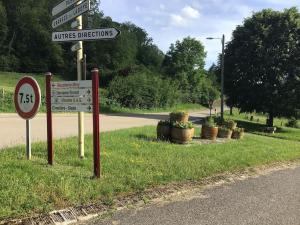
(293, 122)
(210, 122)
(188, 125)
(143, 90)
(164, 123)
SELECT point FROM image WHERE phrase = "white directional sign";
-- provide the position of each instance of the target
(85, 35)
(75, 12)
(76, 47)
(75, 24)
(71, 96)
(71, 108)
(62, 6)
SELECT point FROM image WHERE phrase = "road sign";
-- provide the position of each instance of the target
(86, 100)
(85, 35)
(71, 96)
(77, 11)
(75, 24)
(76, 47)
(62, 6)
(27, 97)
(71, 108)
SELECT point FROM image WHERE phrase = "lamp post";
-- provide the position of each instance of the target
(222, 73)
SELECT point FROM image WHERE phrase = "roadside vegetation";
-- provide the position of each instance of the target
(256, 123)
(8, 81)
(132, 160)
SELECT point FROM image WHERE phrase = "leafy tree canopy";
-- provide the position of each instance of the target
(262, 64)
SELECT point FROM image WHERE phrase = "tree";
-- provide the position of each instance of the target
(262, 64)
(185, 62)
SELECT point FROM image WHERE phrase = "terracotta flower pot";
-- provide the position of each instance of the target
(224, 133)
(163, 132)
(237, 134)
(179, 117)
(192, 132)
(180, 135)
(209, 132)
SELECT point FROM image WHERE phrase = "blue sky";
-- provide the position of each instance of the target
(169, 20)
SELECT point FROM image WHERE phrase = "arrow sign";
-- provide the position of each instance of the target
(75, 24)
(62, 6)
(85, 35)
(75, 12)
(76, 47)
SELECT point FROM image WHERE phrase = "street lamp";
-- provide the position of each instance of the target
(222, 73)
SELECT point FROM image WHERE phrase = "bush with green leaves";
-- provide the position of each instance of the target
(293, 122)
(210, 122)
(143, 90)
(181, 125)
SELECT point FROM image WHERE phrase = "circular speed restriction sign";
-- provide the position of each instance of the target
(27, 97)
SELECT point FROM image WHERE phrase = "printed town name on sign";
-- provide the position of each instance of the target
(78, 10)
(85, 35)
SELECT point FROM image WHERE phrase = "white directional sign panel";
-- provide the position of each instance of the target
(62, 6)
(75, 12)
(76, 47)
(71, 108)
(71, 96)
(85, 35)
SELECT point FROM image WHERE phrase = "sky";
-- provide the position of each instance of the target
(167, 21)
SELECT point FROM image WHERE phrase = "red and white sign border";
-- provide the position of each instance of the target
(35, 86)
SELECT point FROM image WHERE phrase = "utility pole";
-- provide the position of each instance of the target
(222, 78)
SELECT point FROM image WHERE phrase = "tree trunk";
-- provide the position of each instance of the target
(231, 109)
(270, 120)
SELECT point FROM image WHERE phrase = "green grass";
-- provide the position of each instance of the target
(257, 126)
(131, 161)
(8, 82)
(179, 107)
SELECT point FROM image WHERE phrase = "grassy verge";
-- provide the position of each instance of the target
(258, 124)
(9, 80)
(131, 161)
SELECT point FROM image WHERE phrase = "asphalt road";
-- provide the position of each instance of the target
(12, 127)
(270, 199)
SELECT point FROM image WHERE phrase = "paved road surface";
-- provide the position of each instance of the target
(12, 127)
(271, 199)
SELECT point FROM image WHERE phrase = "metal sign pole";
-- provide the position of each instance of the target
(28, 140)
(79, 77)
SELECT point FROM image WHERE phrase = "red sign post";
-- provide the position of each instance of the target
(49, 119)
(96, 125)
(95, 106)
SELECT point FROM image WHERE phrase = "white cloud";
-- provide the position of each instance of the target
(190, 12)
(187, 14)
(177, 20)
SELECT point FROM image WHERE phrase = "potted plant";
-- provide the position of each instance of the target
(209, 129)
(179, 116)
(182, 133)
(238, 133)
(230, 124)
(163, 130)
(224, 132)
